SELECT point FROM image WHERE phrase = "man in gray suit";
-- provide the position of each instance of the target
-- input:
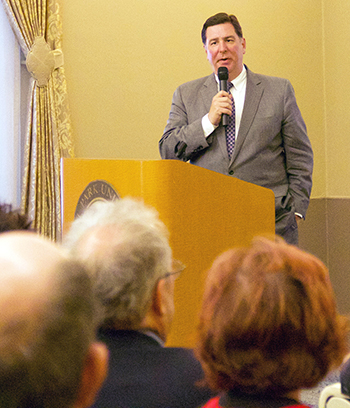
(270, 146)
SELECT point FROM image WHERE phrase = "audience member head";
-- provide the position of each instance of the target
(48, 357)
(11, 220)
(268, 323)
(125, 247)
(221, 18)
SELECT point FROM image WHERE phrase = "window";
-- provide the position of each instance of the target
(10, 69)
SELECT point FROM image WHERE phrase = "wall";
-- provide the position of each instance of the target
(334, 209)
(327, 229)
(123, 61)
(337, 79)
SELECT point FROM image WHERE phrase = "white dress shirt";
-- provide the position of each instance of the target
(238, 93)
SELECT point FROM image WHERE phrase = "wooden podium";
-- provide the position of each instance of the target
(205, 212)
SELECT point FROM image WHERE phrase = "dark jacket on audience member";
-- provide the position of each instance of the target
(144, 374)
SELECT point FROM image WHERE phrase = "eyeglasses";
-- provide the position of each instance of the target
(176, 268)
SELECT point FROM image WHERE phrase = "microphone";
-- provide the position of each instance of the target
(223, 77)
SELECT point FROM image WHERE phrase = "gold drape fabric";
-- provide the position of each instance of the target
(37, 24)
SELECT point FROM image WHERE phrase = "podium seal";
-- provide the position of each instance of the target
(97, 190)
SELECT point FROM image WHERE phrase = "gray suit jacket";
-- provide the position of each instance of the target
(272, 148)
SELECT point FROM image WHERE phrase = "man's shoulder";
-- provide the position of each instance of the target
(180, 351)
(266, 79)
(174, 357)
(196, 83)
(179, 354)
(136, 344)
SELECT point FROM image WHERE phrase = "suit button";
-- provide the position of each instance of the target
(230, 172)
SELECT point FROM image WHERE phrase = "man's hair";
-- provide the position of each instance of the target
(11, 220)
(221, 18)
(42, 351)
(130, 254)
(268, 323)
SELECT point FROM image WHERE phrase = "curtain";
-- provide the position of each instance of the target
(37, 26)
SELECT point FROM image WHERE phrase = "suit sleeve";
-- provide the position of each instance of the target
(298, 152)
(183, 136)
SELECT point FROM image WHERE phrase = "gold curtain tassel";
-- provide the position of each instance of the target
(42, 61)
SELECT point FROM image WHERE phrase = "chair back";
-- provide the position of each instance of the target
(332, 397)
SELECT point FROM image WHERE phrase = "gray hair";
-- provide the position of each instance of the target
(125, 247)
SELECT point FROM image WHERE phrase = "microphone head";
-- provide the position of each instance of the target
(223, 73)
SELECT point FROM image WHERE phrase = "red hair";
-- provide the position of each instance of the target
(268, 323)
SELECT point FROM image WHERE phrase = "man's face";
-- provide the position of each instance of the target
(225, 49)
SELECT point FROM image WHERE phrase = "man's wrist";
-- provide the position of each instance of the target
(208, 127)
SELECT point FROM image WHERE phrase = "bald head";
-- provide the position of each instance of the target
(25, 251)
(27, 265)
(46, 322)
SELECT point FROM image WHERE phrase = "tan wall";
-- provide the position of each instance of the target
(337, 78)
(123, 61)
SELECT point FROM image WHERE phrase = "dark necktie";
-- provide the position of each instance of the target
(231, 127)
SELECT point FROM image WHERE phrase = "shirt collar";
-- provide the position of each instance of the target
(153, 335)
(239, 81)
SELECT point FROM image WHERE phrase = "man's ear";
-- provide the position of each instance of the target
(244, 44)
(205, 49)
(94, 373)
(158, 298)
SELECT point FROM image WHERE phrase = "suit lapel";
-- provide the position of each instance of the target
(209, 90)
(253, 96)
